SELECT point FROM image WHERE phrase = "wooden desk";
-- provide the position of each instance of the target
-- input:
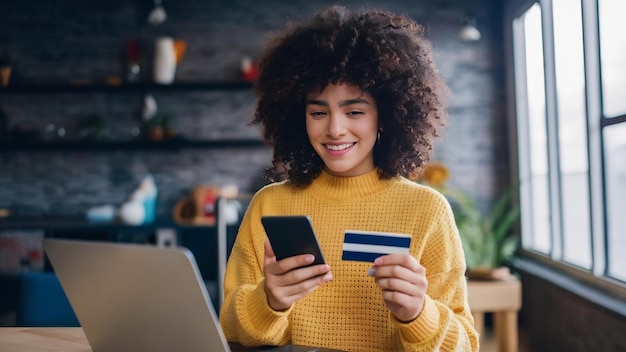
(503, 298)
(43, 339)
(74, 340)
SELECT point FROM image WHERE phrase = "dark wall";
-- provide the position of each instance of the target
(86, 41)
(558, 319)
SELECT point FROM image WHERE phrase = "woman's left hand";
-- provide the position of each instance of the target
(402, 280)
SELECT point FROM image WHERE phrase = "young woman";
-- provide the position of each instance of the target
(352, 104)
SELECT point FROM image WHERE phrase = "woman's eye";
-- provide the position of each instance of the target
(317, 114)
(355, 113)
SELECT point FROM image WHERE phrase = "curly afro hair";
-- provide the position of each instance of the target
(382, 53)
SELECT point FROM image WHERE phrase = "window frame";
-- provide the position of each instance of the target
(596, 122)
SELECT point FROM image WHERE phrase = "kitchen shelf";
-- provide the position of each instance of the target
(137, 87)
(175, 144)
(167, 145)
(53, 223)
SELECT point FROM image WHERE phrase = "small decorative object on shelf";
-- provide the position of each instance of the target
(53, 133)
(147, 114)
(160, 128)
(132, 213)
(167, 124)
(93, 128)
(180, 47)
(200, 208)
(6, 65)
(21, 251)
(164, 60)
(167, 55)
(148, 193)
(5, 75)
(155, 127)
(141, 206)
(249, 69)
(134, 70)
(101, 213)
(197, 209)
(158, 14)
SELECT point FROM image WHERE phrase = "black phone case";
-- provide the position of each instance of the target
(292, 235)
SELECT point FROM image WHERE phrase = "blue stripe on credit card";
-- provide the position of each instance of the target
(366, 245)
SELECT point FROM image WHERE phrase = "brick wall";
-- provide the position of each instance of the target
(75, 40)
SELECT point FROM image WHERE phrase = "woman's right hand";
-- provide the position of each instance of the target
(286, 281)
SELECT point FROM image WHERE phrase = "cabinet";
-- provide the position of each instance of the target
(177, 143)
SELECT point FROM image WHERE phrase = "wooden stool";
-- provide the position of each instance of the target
(503, 298)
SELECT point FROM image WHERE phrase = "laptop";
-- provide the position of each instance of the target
(137, 297)
(133, 297)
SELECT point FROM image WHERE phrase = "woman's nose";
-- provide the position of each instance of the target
(336, 126)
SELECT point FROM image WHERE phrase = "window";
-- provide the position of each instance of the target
(615, 153)
(570, 111)
(612, 54)
(534, 180)
(612, 58)
(569, 70)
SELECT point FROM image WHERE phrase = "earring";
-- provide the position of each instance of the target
(378, 138)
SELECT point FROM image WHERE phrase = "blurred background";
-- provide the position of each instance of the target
(108, 104)
(72, 42)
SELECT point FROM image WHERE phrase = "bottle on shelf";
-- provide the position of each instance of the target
(133, 69)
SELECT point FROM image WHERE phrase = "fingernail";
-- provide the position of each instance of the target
(378, 261)
(371, 271)
(310, 258)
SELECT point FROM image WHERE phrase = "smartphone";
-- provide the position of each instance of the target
(292, 235)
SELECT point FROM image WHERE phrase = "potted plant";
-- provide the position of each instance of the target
(488, 240)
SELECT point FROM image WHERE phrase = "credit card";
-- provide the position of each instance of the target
(365, 246)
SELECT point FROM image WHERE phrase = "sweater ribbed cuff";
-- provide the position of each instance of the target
(424, 326)
(262, 316)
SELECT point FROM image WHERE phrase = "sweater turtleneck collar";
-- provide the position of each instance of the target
(327, 186)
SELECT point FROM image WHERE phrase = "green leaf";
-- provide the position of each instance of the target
(487, 240)
(502, 228)
(507, 249)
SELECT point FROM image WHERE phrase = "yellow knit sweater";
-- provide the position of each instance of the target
(348, 313)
